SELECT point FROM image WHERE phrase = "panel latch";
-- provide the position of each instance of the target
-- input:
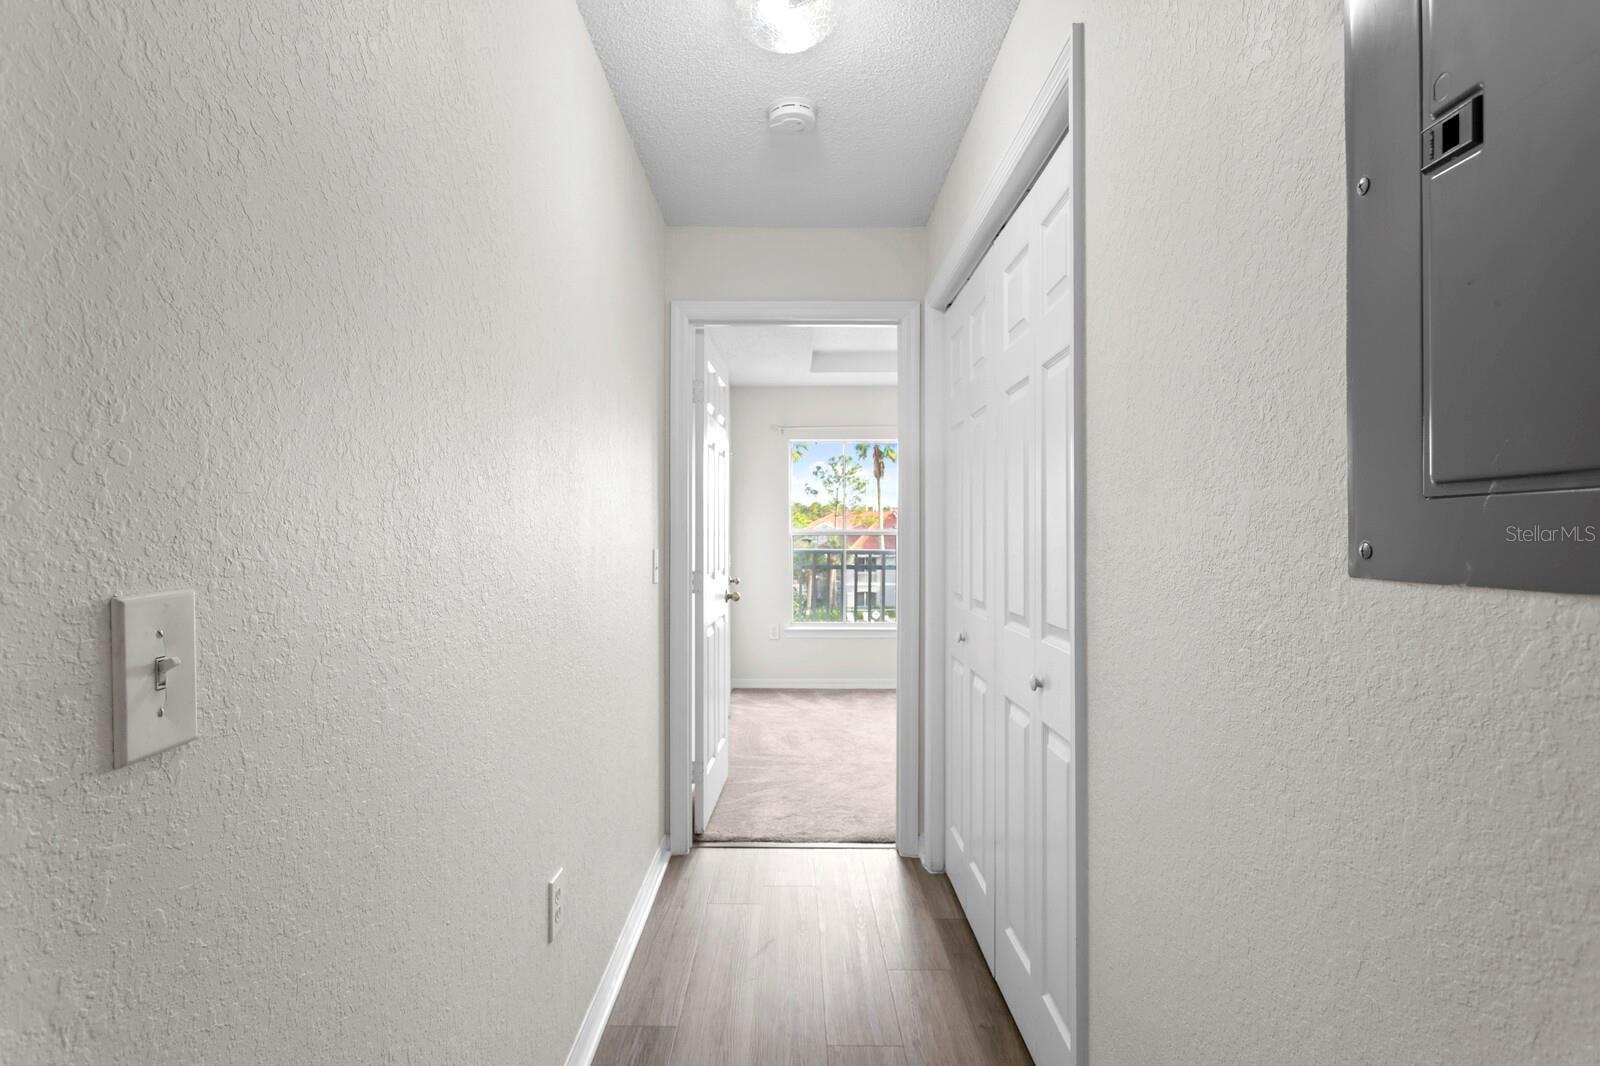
(1453, 135)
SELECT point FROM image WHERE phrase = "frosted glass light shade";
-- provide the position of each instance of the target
(785, 26)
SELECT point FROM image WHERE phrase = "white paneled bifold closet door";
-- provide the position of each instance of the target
(969, 627)
(1014, 624)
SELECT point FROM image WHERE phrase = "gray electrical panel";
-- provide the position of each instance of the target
(1473, 144)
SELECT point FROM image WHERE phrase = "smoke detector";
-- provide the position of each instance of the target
(795, 114)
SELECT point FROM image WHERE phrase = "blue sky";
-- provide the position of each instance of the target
(820, 452)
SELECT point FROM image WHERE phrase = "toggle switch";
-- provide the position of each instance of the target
(152, 674)
(164, 666)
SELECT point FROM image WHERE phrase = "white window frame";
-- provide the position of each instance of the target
(839, 435)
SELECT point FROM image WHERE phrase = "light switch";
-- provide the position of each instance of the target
(152, 673)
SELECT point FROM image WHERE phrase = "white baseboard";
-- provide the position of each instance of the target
(807, 682)
(605, 997)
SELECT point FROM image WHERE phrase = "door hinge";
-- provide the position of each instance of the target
(694, 581)
(697, 395)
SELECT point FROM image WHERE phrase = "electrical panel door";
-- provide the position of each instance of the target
(1473, 131)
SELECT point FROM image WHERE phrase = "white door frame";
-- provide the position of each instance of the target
(1056, 113)
(686, 317)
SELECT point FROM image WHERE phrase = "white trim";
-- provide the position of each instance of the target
(909, 524)
(1042, 129)
(595, 1018)
(850, 434)
(870, 630)
(685, 317)
(934, 594)
(1080, 538)
(811, 682)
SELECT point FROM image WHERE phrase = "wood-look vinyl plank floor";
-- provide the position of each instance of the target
(635, 1045)
(807, 957)
(866, 1056)
(986, 1008)
(905, 912)
(743, 873)
(652, 993)
(855, 980)
(934, 1020)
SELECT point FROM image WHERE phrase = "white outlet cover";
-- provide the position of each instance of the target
(556, 901)
(144, 719)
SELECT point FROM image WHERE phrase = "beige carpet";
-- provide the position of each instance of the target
(808, 765)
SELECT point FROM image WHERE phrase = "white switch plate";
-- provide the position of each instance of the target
(145, 719)
(557, 902)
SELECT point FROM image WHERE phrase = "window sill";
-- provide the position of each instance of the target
(871, 630)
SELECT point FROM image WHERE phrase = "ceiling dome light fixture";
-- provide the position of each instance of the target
(785, 26)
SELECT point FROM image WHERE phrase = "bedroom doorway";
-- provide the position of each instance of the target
(813, 482)
(794, 501)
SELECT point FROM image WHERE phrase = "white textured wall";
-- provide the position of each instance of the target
(348, 316)
(733, 263)
(761, 557)
(1330, 821)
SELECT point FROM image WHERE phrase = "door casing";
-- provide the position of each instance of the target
(683, 463)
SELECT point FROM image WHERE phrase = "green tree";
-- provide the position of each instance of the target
(879, 454)
(803, 514)
(839, 478)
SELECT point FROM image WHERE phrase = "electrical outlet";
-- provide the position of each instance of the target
(556, 901)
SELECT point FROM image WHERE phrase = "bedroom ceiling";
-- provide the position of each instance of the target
(894, 85)
(806, 355)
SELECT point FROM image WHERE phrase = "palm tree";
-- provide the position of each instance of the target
(880, 453)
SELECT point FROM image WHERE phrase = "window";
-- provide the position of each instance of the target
(843, 512)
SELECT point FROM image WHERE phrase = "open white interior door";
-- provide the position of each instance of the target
(715, 590)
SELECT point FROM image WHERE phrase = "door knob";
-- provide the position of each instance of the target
(961, 638)
(1036, 683)
(733, 581)
(732, 596)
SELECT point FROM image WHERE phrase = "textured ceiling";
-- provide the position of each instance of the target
(894, 86)
(806, 355)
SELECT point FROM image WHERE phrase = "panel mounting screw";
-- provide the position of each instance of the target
(1365, 549)
(1363, 185)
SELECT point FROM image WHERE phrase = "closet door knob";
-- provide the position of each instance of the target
(1036, 683)
(961, 638)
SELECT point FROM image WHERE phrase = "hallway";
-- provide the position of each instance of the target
(507, 507)
(843, 956)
